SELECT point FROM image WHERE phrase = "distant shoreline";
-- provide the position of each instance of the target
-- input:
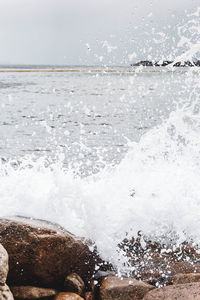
(91, 71)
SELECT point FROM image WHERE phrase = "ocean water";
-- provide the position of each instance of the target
(104, 154)
(90, 117)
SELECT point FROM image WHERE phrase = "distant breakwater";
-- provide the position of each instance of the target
(164, 63)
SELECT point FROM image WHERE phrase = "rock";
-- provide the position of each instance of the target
(188, 291)
(68, 296)
(151, 277)
(155, 263)
(5, 293)
(183, 267)
(31, 292)
(186, 278)
(147, 63)
(42, 253)
(3, 265)
(74, 283)
(166, 273)
(163, 274)
(115, 288)
(93, 287)
(144, 63)
(89, 296)
(101, 274)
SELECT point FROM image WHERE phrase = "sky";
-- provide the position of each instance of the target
(89, 32)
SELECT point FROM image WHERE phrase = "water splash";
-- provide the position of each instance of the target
(155, 189)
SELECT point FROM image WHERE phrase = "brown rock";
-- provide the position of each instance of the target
(163, 272)
(188, 291)
(183, 267)
(68, 296)
(5, 293)
(31, 292)
(74, 283)
(115, 288)
(185, 278)
(180, 268)
(89, 296)
(42, 253)
(151, 276)
(3, 265)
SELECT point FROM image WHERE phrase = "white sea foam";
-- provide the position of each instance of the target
(154, 189)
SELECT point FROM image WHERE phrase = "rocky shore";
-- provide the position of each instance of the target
(164, 63)
(41, 260)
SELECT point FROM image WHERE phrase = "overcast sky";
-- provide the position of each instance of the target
(74, 32)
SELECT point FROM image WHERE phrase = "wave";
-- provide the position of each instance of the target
(155, 189)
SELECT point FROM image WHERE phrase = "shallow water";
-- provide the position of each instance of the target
(103, 154)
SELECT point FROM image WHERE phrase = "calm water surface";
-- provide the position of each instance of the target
(88, 116)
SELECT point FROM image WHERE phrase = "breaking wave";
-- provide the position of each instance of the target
(155, 189)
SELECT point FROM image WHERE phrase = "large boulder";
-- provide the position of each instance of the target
(189, 291)
(42, 253)
(115, 288)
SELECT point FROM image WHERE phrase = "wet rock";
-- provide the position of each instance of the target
(42, 253)
(186, 278)
(89, 296)
(163, 273)
(3, 265)
(93, 286)
(152, 277)
(101, 274)
(189, 291)
(74, 283)
(116, 288)
(5, 293)
(156, 264)
(160, 272)
(184, 268)
(31, 292)
(68, 296)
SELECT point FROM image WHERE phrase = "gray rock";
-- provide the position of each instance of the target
(3, 265)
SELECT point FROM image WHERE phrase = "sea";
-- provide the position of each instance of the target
(104, 151)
